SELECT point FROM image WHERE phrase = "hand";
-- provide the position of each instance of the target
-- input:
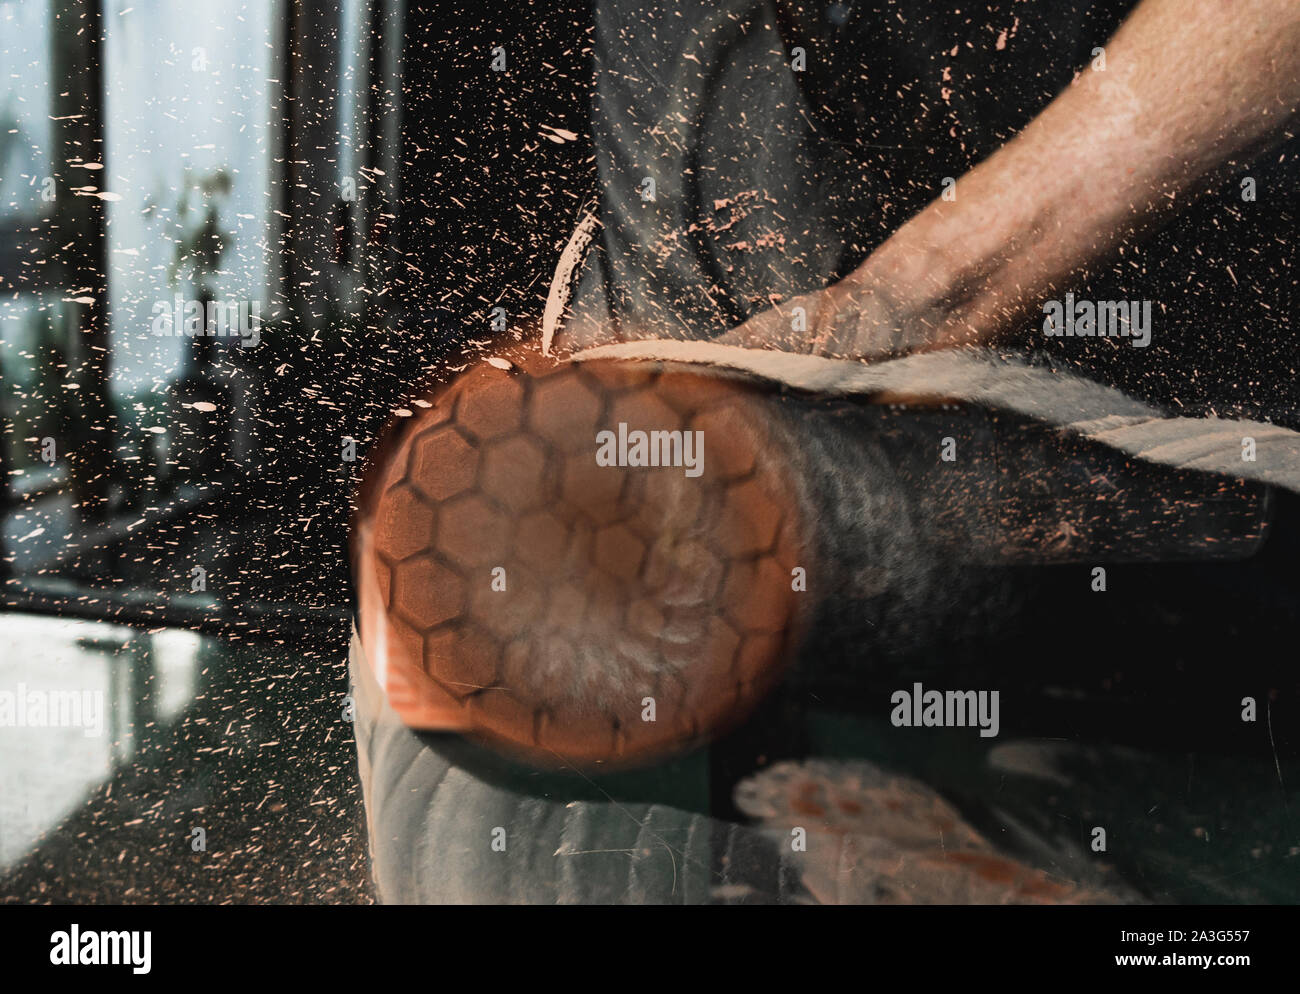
(900, 300)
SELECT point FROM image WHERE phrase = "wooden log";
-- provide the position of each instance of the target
(612, 560)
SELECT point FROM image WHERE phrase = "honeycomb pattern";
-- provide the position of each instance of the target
(538, 598)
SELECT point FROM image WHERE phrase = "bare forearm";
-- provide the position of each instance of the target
(1186, 88)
